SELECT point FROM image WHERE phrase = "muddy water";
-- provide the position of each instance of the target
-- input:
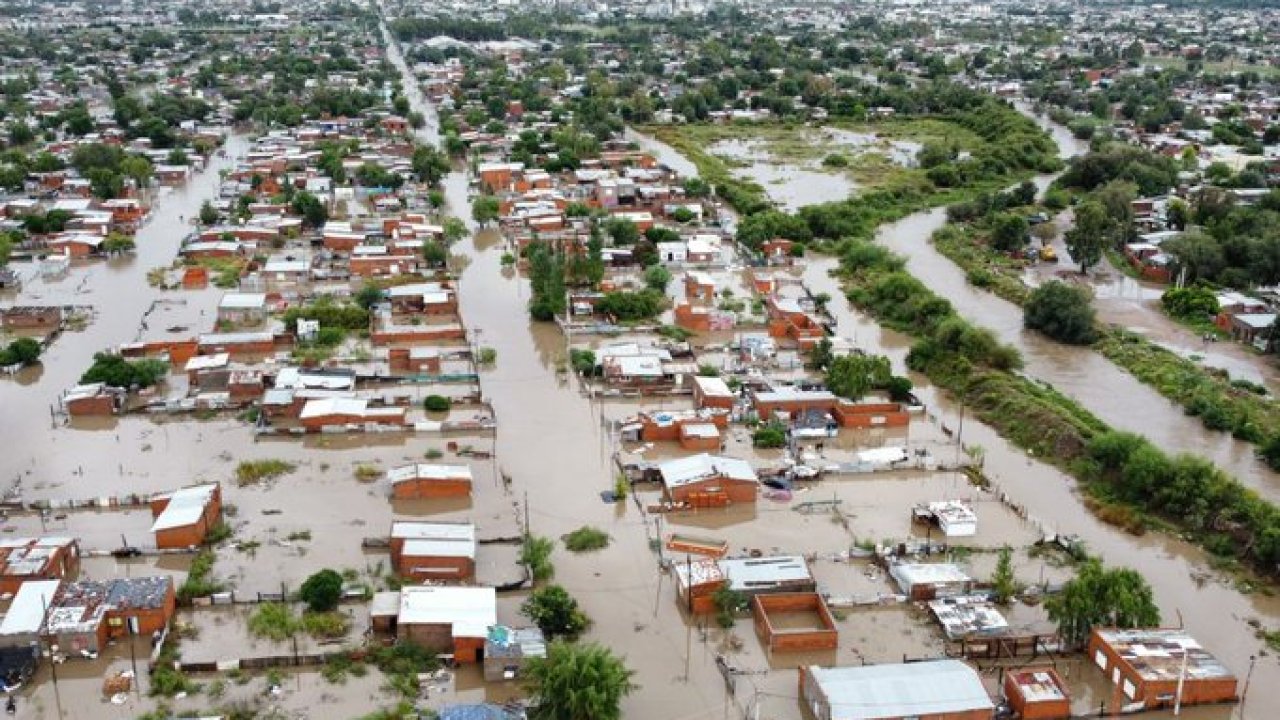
(1100, 386)
(550, 440)
(117, 289)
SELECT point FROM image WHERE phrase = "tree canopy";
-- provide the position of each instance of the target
(578, 682)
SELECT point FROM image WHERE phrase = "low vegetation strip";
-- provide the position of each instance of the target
(1125, 474)
(1235, 406)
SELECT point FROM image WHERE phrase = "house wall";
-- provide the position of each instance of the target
(415, 567)
(418, 489)
(826, 638)
(437, 637)
(738, 491)
(418, 335)
(703, 401)
(1210, 690)
(867, 415)
(1045, 710)
(697, 443)
(92, 406)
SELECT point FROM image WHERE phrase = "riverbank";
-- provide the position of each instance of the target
(1133, 483)
(1219, 401)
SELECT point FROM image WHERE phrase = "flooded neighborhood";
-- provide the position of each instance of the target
(605, 360)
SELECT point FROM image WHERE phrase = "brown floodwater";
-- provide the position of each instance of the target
(552, 442)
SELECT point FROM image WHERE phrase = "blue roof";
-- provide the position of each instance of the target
(477, 712)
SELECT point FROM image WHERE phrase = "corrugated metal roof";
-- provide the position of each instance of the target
(895, 691)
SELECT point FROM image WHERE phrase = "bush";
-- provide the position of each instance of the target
(115, 371)
(23, 351)
(200, 582)
(555, 612)
(322, 591)
(771, 435)
(1061, 311)
(586, 539)
(1196, 302)
(436, 403)
(632, 305)
(835, 160)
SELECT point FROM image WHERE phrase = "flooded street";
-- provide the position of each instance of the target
(554, 442)
(630, 601)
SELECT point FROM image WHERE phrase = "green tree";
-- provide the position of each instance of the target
(1088, 237)
(555, 612)
(138, 169)
(115, 371)
(657, 278)
(454, 229)
(621, 230)
(1177, 215)
(485, 210)
(1061, 311)
(311, 209)
(368, 295)
(1003, 583)
(208, 213)
(853, 376)
(434, 253)
(578, 682)
(1198, 254)
(1009, 232)
(322, 591)
(23, 351)
(21, 133)
(1099, 597)
(117, 244)
(429, 164)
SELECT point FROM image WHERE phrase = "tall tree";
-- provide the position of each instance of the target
(578, 682)
(1088, 237)
(1099, 597)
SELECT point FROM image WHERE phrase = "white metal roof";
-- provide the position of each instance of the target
(427, 471)
(26, 613)
(452, 532)
(683, 471)
(439, 548)
(468, 610)
(713, 386)
(185, 507)
(901, 690)
(243, 301)
(334, 406)
(747, 574)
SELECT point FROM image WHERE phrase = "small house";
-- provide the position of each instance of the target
(242, 308)
(83, 616)
(183, 518)
(930, 690)
(1149, 665)
(24, 560)
(507, 649)
(423, 480)
(39, 318)
(93, 399)
(433, 550)
(1036, 694)
(706, 480)
(927, 581)
(451, 620)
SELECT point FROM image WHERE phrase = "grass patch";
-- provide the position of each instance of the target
(367, 472)
(274, 621)
(535, 554)
(586, 539)
(401, 664)
(326, 625)
(200, 581)
(250, 472)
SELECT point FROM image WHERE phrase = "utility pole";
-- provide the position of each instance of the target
(1182, 678)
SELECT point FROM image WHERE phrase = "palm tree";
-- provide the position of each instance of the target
(578, 682)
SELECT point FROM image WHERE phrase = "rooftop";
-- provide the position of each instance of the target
(901, 690)
(689, 470)
(1156, 654)
(185, 507)
(470, 611)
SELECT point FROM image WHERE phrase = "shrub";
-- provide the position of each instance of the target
(586, 539)
(436, 403)
(322, 590)
(770, 435)
(199, 582)
(535, 554)
(555, 612)
(1061, 311)
(118, 372)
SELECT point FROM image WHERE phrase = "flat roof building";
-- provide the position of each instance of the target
(931, 690)
(1147, 665)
